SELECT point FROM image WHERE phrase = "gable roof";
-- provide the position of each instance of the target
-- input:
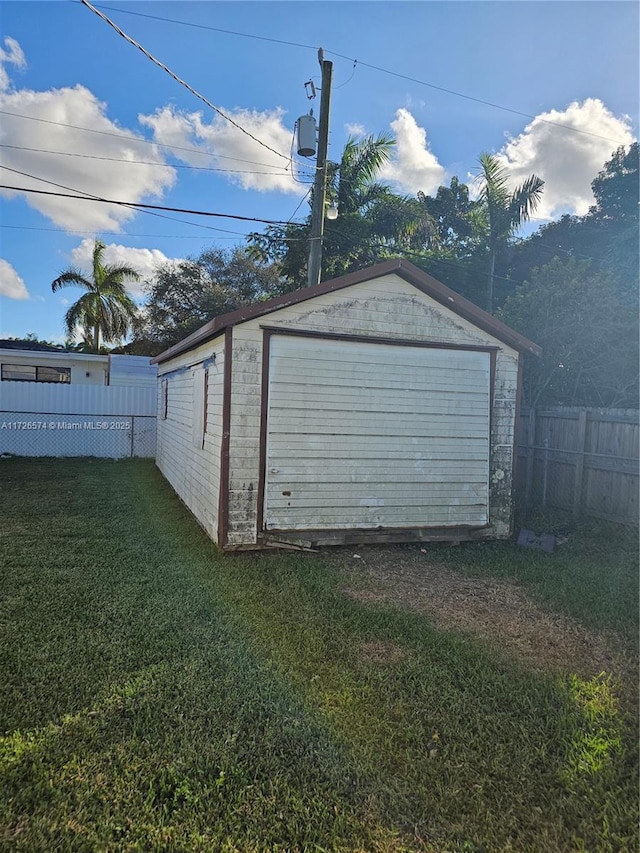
(405, 270)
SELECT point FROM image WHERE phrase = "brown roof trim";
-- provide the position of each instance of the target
(409, 272)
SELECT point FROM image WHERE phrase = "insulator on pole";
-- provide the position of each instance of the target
(306, 136)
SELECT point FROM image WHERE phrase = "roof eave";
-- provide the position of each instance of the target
(410, 273)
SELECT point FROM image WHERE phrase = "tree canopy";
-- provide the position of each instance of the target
(586, 322)
(183, 296)
(373, 223)
(572, 286)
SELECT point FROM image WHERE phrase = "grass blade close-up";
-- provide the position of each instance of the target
(158, 694)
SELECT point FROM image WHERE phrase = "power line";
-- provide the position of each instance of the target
(375, 68)
(124, 236)
(304, 197)
(141, 206)
(145, 162)
(137, 139)
(206, 27)
(476, 100)
(154, 236)
(85, 196)
(179, 80)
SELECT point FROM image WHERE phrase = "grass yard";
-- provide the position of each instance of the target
(160, 696)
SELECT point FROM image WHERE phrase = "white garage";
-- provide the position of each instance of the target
(376, 407)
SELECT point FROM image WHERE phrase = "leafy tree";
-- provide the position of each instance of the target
(106, 309)
(607, 235)
(373, 223)
(456, 218)
(185, 295)
(505, 210)
(586, 321)
(456, 255)
(616, 188)
(30, 341)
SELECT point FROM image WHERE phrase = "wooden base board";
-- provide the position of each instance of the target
(308, 539)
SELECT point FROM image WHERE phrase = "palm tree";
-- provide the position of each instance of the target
(106, 309)
(504, 211)
(351, 183)
(373, 222)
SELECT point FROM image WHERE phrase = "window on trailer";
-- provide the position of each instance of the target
(35, 373)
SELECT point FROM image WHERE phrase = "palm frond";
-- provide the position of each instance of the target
(81, 313)
(117, 274)
(492, 177)
(525, 200)
(71, 278)
(98, 267)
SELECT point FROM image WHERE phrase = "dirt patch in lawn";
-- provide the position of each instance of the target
(381, 652)
(493, 609)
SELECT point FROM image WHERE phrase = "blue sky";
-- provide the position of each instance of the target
(87, 101)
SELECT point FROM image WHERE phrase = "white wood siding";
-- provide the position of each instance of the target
(364, 435)
(383, 307)
(191, 465)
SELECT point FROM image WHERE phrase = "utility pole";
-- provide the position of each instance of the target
(320, 182)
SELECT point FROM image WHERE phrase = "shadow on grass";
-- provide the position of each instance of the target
(166, 696)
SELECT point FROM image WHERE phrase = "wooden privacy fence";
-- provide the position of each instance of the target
(583, 461)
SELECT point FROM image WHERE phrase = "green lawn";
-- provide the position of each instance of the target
(157, 695)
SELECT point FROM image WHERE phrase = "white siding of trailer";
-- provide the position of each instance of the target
(384, 307)
(188, 457)
(132, 370)
(85, 370)
(61, 399)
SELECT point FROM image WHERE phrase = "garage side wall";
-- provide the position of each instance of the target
(386, 307)
(190, 394)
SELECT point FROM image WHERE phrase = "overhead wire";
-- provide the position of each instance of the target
(145, 162)
(149, 208)
(124, 236)
(207, 27)
(373, 67)
(85, 196)
(140, 205)
(179, 80)
(304, 197)
(156, 236)
(139, 139)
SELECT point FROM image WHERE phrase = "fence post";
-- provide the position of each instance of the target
(131, 446)
(531, 441)
(581, 447)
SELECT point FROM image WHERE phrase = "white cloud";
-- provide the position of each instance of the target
(222, 146)
(108, 178)
(11, 285)
(355, 129)
(13, 55)
(567, 161)
(413, 167)
(143, 261)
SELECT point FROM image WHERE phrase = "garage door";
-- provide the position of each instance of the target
(367, 435)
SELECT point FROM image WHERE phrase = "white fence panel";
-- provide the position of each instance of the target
(81, 420)
(55, 399)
